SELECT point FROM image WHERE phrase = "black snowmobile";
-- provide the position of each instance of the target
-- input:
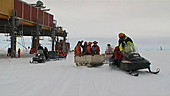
(133, 62)
(38, 58)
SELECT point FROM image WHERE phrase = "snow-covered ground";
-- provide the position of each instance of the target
(62, 78)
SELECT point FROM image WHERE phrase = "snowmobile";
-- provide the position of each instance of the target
(132, 62)
(89, 60)
(38, 58)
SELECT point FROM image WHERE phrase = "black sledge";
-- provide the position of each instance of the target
(133, 62)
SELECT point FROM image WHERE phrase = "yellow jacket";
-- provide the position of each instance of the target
(126, 45)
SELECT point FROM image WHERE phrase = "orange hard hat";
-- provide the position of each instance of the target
(121, 35)
(95, 42)
(90, 43)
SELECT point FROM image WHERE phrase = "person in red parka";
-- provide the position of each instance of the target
(19, 53)
(95, 48)
(88, 50)
(77, 49)
(118, 55)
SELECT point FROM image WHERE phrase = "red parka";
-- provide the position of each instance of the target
(97, 51)
(88, 50)
(117, 53)
(77, 51)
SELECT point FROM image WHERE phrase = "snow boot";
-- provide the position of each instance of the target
(116, 63)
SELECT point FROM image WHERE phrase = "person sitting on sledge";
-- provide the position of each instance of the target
(95, 48)
(109, 53)
(109, 49)
(126, 45)
(77, 49)
(88, 50)
(84, 47)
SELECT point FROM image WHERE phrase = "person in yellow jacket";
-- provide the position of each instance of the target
(126, 44)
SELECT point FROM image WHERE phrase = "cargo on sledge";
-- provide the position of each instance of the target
(89, 60)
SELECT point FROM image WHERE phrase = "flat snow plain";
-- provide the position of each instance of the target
(62, 78)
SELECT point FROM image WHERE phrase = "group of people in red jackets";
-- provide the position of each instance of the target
(88, 48)
(61, 48)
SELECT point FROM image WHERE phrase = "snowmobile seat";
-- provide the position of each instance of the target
(134, 62)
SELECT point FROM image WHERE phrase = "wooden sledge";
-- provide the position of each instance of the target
(90, 60)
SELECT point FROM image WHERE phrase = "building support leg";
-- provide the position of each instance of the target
(13, 35)
(53, 37)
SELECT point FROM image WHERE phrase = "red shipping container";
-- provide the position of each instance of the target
(34, 14)
(51, 20)
(41, 17)
(18, 8)
(46, 21)
(27, 12)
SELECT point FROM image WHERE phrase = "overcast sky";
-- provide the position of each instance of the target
(147, 22)
(138, 19)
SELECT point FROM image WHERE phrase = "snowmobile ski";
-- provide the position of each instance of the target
(33, 62)
(154, 72)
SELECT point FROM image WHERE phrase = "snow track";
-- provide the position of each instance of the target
(63, 78)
